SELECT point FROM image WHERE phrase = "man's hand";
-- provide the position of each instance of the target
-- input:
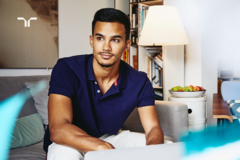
(105, 146)
(150, 123)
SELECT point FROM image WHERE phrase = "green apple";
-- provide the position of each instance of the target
(179, 87)
(190, 89)
(185, 89)
(174, 89)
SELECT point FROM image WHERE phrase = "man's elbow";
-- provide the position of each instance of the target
(55, 134)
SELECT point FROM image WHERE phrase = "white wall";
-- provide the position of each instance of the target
(75, 19)
(213, 31)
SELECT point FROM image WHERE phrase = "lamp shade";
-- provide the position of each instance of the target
(163, 26)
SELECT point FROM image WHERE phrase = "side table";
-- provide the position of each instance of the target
(197, 115)
(220, 110)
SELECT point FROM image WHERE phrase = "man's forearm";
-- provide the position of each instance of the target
(72, 136)
(155, 136)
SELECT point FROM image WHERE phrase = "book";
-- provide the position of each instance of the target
(158, 94)
(161, 72)
(155, 58)
(158, 60)
(153, 47)
(136, 17)
(160, 56)
(160, 77)
(142, 12)
(134, 20)
(133, 37)
(149, 68)
(153, 73)
(125, 57)
(135, 58)
(142, 16)
(130, 13)
(155, 82)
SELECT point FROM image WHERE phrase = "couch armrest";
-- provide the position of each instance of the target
(173, 117)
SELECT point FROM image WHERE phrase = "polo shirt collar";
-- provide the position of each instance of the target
(90, 69)
(122, 79)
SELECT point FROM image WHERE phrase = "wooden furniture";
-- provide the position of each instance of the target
(220, 110)
(221, 79)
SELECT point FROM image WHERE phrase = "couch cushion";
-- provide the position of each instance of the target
(41, 101)
(12, 85)
(28, 130)
(33, 152)
(234, 106)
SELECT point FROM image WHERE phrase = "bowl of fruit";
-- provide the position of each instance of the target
(187, 91)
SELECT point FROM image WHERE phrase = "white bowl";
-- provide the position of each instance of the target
(193, 94)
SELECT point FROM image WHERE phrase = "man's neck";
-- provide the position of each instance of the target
(105, 74)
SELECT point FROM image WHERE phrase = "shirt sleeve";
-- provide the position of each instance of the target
(147, 95)
(63, 80)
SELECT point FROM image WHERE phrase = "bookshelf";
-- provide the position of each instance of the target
(172, 56)
(137, 13)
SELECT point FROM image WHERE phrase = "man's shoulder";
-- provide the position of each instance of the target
(73, 64)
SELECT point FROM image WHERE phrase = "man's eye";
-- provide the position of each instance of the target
(99, 38)
(115, 40)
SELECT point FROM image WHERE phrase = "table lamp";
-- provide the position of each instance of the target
(163, 27)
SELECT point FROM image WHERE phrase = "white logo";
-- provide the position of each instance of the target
(27, 23)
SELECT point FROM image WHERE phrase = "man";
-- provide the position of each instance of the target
(91, 96)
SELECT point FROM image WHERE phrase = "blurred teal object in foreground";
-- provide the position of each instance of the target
(213, 143)
(9, 110)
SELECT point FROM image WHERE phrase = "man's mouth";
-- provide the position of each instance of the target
(106, 55)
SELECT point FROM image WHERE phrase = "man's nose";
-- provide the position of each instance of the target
(107, 46)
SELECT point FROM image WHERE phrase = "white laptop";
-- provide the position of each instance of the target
(172, 151)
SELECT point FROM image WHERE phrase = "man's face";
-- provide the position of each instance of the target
(109, 42)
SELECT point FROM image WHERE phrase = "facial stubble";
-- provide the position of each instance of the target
(105, 65)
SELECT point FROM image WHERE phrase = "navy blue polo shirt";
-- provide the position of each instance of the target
(95, 113)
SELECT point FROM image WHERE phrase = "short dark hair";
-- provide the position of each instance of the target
(112, 15)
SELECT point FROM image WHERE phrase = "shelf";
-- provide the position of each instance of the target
(134, 29)
(134, 3)
(157, 88)
(134, 45)
(157, 2)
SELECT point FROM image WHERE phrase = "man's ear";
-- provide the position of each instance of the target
(128, 44)
(91, 40)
